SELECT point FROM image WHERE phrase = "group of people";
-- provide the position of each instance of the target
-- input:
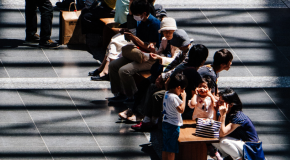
(180, 86)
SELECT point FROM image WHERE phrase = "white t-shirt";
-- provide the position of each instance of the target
(203, 108)
(171, 115)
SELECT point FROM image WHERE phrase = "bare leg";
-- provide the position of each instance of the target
(105, 69)
(101, 68)
(164, 155)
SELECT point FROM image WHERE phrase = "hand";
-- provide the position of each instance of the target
(159, 82)
(151, 46)
(223, 109)
(153, 56)
(209, 93)
(196, 91)
(183, 94)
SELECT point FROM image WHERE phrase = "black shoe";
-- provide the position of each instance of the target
(119, 98)
(129, 101)
(103, 78)
(32, 39)
(49, 44)
(95, 72)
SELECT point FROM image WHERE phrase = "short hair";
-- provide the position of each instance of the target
(139, 7)
(197, 54)
(222, 56)
(178, 80)
(208, 80)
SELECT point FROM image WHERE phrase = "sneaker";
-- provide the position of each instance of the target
(95, 72)
(117, 99)
(49, 44)
(32, 39)
(125, 114)
(144, 126)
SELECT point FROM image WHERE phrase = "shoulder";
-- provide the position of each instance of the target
(239, 118)
(153, 20)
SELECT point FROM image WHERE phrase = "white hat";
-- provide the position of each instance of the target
(167, 24)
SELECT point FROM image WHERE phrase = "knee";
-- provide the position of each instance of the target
(123, 72)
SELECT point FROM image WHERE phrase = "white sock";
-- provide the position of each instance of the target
(146, 119)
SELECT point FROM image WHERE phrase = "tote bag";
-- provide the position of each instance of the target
(70, 27)
(207, 128)
(253, 151)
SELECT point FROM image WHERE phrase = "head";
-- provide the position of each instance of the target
(223, 59)
(160, 12)
(197, 55)
(206, 84)
(230, 97)
(178, 83)
(167, 27)
(140, 9)
(180, 40)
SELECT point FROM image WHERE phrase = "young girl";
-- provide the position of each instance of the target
(203, 103)
(172, 109)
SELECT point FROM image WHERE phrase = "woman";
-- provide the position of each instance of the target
(236, 127)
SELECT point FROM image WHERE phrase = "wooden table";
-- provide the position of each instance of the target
(192, 147)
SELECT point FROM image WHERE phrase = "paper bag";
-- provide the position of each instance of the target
(70, 28)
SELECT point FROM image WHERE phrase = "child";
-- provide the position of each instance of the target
(203, 103)
(172, 109)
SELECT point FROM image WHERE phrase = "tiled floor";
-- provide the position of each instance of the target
(49, 108)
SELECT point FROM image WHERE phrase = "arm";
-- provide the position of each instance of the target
(225, 130)
(193, 101)
(181, 107)
(144, 46)
(211, 97)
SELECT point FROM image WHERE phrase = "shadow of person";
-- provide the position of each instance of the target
(11, 43)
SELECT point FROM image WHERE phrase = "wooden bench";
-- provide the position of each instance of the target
(192, 147)
(110, 29)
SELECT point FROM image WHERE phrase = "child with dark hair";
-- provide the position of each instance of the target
(172, 120)
(203, 101)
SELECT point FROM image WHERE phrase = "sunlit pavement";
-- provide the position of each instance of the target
(49, 108)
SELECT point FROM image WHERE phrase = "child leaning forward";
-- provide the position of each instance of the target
(173, 106)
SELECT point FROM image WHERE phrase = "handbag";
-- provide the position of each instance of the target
(70, 27)
(208, 128)
(253, 151)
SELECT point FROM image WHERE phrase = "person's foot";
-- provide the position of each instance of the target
(118, 99)
(217, 156)
(125, 114)
(144, 126)
(134, 118)
(103, 78)
(95, 72)
(49, 44)
(32, 39)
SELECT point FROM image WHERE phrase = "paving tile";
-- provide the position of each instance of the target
(265, 114)
(66, 134)
(20, 135)
(21, 67)
(12, 24)
(280, 96)
(3, 73)
(50, 106)
(76, 153)
(73, 66)
(117, 134)
(24, 153)
(12, 108)
(21, 50)
(276, 152)
(120, 153)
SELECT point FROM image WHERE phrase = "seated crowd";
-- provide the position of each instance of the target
(180, 86)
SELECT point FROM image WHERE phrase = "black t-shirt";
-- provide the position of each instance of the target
(194, 79)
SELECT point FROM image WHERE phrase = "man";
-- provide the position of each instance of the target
(46, 9)
(147, 38)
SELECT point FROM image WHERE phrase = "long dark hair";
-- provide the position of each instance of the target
(231, 97)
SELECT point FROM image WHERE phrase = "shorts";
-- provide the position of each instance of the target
(170, 137)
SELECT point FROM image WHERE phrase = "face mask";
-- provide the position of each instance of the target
(137, 18)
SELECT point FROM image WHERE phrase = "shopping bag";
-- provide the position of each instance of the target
(70, 27)
(207, 128)
(253, 151)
